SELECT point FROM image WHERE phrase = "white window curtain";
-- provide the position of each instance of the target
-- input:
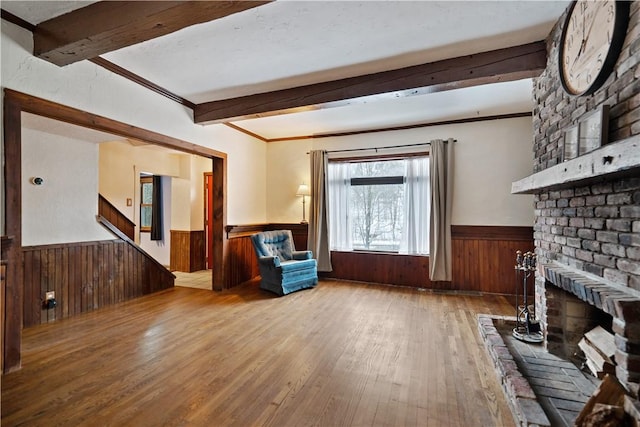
(417, 203)
(339, 221)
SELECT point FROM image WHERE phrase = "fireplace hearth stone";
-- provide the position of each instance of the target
(542, 389)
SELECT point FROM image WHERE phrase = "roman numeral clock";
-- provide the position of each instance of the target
(591, 42)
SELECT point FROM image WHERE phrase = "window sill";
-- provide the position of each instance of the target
(364, 252)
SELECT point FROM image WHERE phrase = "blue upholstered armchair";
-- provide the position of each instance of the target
(283, 269)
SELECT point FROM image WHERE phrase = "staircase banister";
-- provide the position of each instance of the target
(113, 229)
(105, 200)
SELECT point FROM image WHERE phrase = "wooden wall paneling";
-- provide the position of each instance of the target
(86, 276)
(387, 268)
(115, 217)
(242, 263)
(482, 261)
(483, 257)
(14, 104)
(187, 252)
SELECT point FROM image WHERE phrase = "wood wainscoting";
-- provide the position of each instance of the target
(482, 261)
(188, 252)
(86, 276)
(115, 217)
(483, 257)
(242, 264)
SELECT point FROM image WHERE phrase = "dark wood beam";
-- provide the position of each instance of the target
(10, 17)
(110, 25)
(500, 65)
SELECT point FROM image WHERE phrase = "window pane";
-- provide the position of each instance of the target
(145, 216)
(382, 168)
(377, 216)
(147, 193)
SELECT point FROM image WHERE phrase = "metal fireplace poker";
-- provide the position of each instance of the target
(527, 325)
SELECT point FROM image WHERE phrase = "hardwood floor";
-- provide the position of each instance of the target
(339, 354)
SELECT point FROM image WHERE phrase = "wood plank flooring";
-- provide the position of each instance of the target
(340, 354)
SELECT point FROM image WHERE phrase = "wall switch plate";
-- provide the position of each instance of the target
(50, 295)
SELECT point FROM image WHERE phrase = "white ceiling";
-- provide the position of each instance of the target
(293, 43)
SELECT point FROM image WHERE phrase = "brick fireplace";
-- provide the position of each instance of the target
(587, 210)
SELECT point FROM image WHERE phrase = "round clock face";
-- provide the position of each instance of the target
(591, 42)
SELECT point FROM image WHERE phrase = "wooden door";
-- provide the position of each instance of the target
(208, 217)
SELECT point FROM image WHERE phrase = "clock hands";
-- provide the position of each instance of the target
(593, 21)
(585, 36)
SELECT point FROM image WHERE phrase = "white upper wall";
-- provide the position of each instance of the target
(89, 87)
(488, 156)
(63, 209)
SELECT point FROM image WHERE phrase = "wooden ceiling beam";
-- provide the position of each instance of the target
(106, 26)
(500, 65)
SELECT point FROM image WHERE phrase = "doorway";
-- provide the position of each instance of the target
(15, 103)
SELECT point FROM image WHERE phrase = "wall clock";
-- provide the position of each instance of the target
(591, 42)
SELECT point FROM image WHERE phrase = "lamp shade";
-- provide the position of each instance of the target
(303, 190)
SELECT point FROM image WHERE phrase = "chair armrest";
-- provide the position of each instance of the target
(300, 255)
(269, 261)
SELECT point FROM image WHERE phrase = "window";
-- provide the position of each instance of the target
(146, 202)
(379, 205)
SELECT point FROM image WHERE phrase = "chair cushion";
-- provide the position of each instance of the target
(290, 266)
(274, 243)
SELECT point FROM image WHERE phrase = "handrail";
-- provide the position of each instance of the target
(116, 231)
(116, 212)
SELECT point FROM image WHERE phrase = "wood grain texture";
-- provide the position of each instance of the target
(56, 111)
(242, 262)
(483, 257)
(187, 252)
(14, 103)
(107, 26)
(86, 276)
(506, 64)
(376, 267)
(12, 168)
(482, 261)
(337, 355)
(3, 275)
(115, 217)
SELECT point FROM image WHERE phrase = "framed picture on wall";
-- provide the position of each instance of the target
(570, 143)
(593, 130)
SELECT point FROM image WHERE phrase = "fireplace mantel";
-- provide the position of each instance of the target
(614, 160)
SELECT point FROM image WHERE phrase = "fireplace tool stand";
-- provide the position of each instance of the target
(527, 325)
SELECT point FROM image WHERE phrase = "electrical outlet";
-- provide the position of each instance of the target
(50, 295)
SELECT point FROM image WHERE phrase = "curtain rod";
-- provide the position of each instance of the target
(383, 148)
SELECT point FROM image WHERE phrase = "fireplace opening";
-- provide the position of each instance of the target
(568, 319)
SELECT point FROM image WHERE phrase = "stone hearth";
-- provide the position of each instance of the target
(541, 388)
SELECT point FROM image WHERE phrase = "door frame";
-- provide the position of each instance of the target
(207, 229)
(15, 103)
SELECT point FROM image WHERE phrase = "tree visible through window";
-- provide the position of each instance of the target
(146, 202)
(372, 205)
(377, 191)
